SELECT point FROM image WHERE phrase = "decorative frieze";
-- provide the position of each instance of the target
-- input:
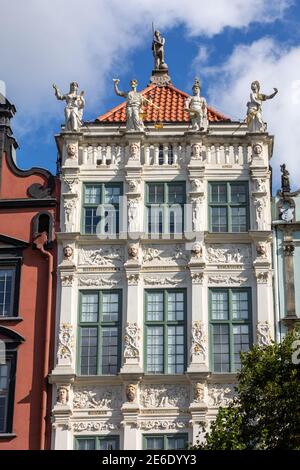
(228, 254)
(103, 397)
(226, 280)
(93, 281)
(164, 396)
(106, 256)
(220, 394)
(81, 426)
(162, 425)
(163, 281)
(160, 254)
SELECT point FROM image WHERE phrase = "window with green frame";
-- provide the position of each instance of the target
(165, 441)
(101, 208)
(229, 206)
(99, 332)
(230, 327)
(97, 443)
(165, 331)
(165, 207)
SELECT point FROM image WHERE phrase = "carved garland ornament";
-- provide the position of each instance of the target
(66, 342)
(131, 341)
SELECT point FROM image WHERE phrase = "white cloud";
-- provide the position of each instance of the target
(68, 40)
(274, 66)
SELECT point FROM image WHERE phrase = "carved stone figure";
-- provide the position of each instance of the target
(285, 179)
(261, 249)
(134, 103)
(197, 152)
(197, 108)
(263, 334)
(254, 118)
(63, 395)
(65, 342)
(74, 106)
(259, 204)
(133, 251)
(68, 252)
(97, 397)
(133, 185)
(131, 390)
(164, 396)
(134, 151)
(196, 185)
(197, 215)
(287, 213)
(257, 149)
(197, 250)
(220, 395)
(133, 215)
(198, 346)
(158, 49)
(72, 150)
(199, 389)
(131, 341)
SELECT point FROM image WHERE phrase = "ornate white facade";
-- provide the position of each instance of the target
(100, 405)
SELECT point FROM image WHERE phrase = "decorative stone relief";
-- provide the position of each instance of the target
(197, 185)
(69, 206)
(90, 281)
(199, 392)
(260, 204)
(108, 256)
(198, 347)
(197, 278)
(162, 281)
(108, 397)
(164, 396)
(220, 395)
(160, 254)
(134, 186)
(197, 152)
(262, 277)
(260, 185)
(133, 279)
(263, 333)
(159, 424)
(228, 254)
(67, 280)
(227, 280)
(131, 392)
(72, 150)
(133, 215)
(197, 212)
(71, 183)
(197, 250)
(94, 426)
(134, 151)
(261, 249)
(65, 342)
(133, 251)
(68, 252)
(131, 341)
(63, 395)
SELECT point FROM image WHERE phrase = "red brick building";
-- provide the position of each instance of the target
(28, 220)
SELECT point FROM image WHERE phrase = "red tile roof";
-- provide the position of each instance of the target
(171, 103)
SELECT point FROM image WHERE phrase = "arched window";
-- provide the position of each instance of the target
(161, 155)
(42, 222)
(170, 155)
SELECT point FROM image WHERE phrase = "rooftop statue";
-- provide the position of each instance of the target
(197, 108)
(285, 179)
(254, 118)
(158, 45)
(74, 106)
(134, 103)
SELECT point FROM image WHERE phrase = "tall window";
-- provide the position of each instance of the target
(229, 207)
(7, 376)
(7, 281)
(101, 208)
(165, 441)
(165, 207)
(99, 332)
(230, 323)
(97, 443)
(165, 331)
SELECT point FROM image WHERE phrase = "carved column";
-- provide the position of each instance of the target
(288, 252)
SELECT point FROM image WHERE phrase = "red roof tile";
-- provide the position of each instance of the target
(171, 103)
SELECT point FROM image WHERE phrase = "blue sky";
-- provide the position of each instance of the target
(227, 44)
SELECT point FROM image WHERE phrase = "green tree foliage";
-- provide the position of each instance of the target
(266, 411)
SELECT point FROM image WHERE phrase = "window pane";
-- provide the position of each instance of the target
(110, 306)
(175, 306)
(155, 219)
(219, 305)
(154, 442)
(155, 349)
(219, 219)
(155, 306)
(112, 194)
(241, 343)
(239, 219)
(92, 195)
(176, 194)
(239, 193)
(89, 307)
(91, 220)
(221, 359)
(175, 214)
(156, 193)
(108, 443)
(109, 353)
(240, 307)
(218, 193)
(4, 395)
(88, 350)
(175, 350)
(86, 444)
(177, 442)
(6, 292)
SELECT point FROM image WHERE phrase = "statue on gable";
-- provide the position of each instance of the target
(158, 49)
(285, 179)
(134, 103)
(254, 118)
(74, 106)
(197, 108)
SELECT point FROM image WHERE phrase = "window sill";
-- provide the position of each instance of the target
(11, 319)
(7, 435)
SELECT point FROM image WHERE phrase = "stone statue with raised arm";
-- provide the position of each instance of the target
(158, 49)
(197, 108)
(134, 103)
(254, 118)
(74, 106)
